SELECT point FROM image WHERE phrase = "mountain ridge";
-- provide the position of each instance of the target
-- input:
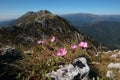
(81, 19)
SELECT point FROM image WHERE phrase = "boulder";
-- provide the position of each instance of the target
(78, 70)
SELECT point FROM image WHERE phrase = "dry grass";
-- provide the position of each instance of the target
(42, 60)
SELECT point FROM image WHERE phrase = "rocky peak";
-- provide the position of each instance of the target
(44, 12)
(33, 17)
(29, 13)
(40, 13)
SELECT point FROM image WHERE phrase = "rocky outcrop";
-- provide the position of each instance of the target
(10, 53)
(78, 70)
(9, 66)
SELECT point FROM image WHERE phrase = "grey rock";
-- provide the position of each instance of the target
(108, 52)
(113, 56)
(115, 50)
(110, 74)
(10, 53)
(114, 65)
(79, 69)
(118, 53)
(96, 63)
(3, 50)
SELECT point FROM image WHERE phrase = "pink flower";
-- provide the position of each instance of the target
(61, 52)
(41, 42)
(74, 46)
(83, 44)
(52, 39)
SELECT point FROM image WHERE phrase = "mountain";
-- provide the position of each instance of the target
(23, 58)
(6, 23)
(106, 32)
(81, 19)
(36, 25)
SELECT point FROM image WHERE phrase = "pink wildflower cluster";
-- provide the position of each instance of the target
(83, 44)
(63, 51)
(42, 41)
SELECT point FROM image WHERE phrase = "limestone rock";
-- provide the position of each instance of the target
(114, 65)
(110, 74)
(78, 70)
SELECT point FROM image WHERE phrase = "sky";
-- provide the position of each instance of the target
(10, 9)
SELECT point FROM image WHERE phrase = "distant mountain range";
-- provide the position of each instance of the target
(103, 28)
(81, 19)
(6, 22)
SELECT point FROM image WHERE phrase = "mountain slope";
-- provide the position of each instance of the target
(20, 40)
(105, 31)
(38, 25)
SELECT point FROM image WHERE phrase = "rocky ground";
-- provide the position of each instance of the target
(25, 65)
(108, 64)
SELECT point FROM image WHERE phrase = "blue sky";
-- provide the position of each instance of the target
(15, 8)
